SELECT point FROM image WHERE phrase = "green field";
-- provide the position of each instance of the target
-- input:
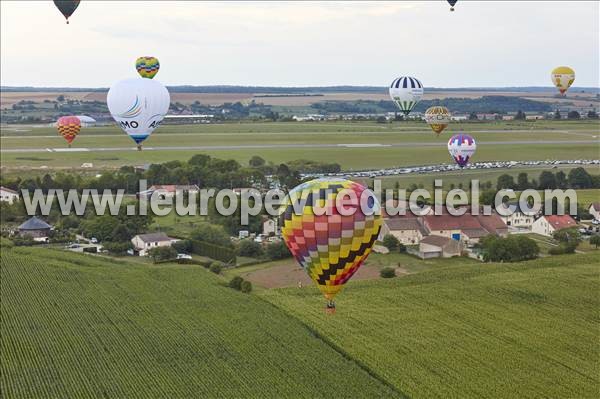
(488, 330)
(313, 134)
(83, 326)
(86, 327)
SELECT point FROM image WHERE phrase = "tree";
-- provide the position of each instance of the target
(520, 116)
(514, 248)
(561, 179)
(278, 250)
(547, 180)
(211, 234)
(557, 115)
(579, 178)
(505, 181)
(381, 119)
(387, 272)
(235, 283)
(256, 162)
(60, 98)
(216, 267)
(473, 116)
(246, 287)
(390, 242)
(249, 248)
(160, 254)
(117, 248)
(595, 240)
(569, 239)
(573, 115)
(522, 181)
(592, 115)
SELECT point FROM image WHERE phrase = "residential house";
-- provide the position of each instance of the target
(36, 228)
(145, 242)
(8, 195)
(438, 246)
(595, 210)
(512, 215)
(168, 190)
(547, 225)
(269, 227)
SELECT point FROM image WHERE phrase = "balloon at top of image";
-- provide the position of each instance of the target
(562, 77)
(406, 92)
(147, 67)
(138, 106)
(330, 246)
(66, 7)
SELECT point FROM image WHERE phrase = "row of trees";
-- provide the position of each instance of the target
(577, 178)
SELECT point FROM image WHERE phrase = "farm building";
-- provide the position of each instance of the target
(594, 210)
(408, 230)
(8, 195)
(169, 190)
(145, 242)
(437, 246)
(547, 225)
(36, 228)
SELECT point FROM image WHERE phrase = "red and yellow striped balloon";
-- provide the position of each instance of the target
(68, 127)
(330, 246)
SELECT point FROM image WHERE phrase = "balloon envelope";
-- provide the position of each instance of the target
(138, 106)
(562, 77)
(147, 67)
(330, 247)
(438, 118)
(66, 7)
(406, 92)
(452, 3)
(461, 148)
(68, 127)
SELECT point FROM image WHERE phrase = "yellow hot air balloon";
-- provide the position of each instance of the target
(330, 226)
(438, 118)
(563, 77)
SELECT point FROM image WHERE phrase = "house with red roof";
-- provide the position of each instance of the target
(547, 225)
(466, 228)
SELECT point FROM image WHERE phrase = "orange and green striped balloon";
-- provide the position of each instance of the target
(147, 67)
(330, 226)
(68, 127)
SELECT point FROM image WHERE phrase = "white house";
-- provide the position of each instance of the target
(595, 210)
(8, 195)
(145, 242)
(269, 227)
(547, 225)
(516, 218)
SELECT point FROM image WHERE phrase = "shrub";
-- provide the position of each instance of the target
(278, 250)
(161, 254)
(557, 250)
(249, 248)
(5, 243)
(390, 242)
(387, 272)
(246, 287)
(23, 241)
(401, 248)
(236, 283)
(182, 246)
(216, 267)
(117, 248)
(513, 248)
(211, 234)
(595, 240)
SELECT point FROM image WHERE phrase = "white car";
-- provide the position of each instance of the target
(184, 256)
(595, 221)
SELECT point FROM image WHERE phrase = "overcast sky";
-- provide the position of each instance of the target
(482, 43)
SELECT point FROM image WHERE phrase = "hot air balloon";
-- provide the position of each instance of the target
(147, 67)
(138, 106)
(66, 7)
(68, 127)
(461, 148)
(406, 92)
(563, 77)
(330, 246)
(452, 3)
(438, 118)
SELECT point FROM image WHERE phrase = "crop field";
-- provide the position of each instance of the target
(80, 326)
(478, 330)
(359, 145)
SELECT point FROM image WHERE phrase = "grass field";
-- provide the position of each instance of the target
(337, 134)
(79, 326)
(477, 330)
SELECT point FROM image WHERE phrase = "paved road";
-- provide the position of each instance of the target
(284, 146)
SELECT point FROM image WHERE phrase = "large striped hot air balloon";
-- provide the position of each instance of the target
(438, 118)
(562, 77)
(68, 127)
(406, 92)
(461, 148)
(147, 67)
(329, 242)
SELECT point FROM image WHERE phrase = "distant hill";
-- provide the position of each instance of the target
(298, 90)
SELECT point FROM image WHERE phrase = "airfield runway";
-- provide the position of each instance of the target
(285, 146)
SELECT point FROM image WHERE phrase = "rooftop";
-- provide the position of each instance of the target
(8, 190)
(560, 221)
(35, 224)
(154, 237)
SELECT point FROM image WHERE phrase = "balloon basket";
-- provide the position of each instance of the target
(330, 307)
(139, 147)
(451, 9)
